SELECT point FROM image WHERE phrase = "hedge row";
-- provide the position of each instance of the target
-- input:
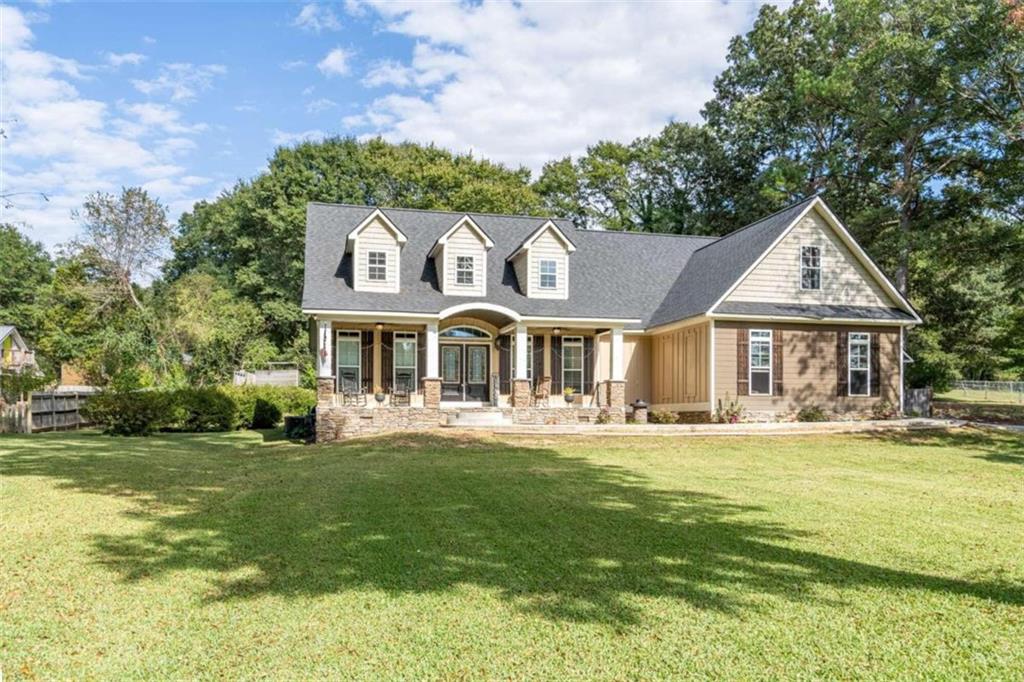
(223, 408)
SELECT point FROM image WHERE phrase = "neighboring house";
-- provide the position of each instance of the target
(449, 310)
(14, 352)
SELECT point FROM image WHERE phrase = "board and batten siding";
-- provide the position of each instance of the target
(808, 368)
(679, 368)
(376, 237)
(636, 359)
(844, 281)
(548, 247)
(464, 242)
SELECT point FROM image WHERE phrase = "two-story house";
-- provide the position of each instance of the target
(421, 316)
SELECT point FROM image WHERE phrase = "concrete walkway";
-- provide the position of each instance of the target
(749, 429)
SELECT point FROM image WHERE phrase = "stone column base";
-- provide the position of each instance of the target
(325, 391)
(640, 414)
(520, 393)
(431, 393)
(616, 396)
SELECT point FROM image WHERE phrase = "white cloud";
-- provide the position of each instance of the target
(149, 40)
(523, 83)
(182, 82)
(282, 138)
(315, 18)
(389, 72)
(293, 64)
(66, 145)
(246, 107)
(307, 91)
(335, 63)
(319, 105)
(116, 59)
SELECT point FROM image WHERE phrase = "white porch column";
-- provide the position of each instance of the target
(521, 351)
(324, 349)
(618, 368)
(433, 369)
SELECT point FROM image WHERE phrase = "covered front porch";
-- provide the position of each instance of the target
(472, 355)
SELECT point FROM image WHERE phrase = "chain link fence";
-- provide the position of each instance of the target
(1007, 391)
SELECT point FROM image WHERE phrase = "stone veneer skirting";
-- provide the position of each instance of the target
(334, 423)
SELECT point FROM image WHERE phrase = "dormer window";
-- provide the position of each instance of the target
(548, 274)
(377, 266)
(464, 266)
(810, 268)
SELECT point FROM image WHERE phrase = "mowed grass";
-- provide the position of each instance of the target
(451, 556)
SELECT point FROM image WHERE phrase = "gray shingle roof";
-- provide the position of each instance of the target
(611, 274)
(653, 278)
(814, 311)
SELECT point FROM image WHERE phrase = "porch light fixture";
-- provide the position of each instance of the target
(556, 331)
(378, 326)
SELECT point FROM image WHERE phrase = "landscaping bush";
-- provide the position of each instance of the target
(130, 413)
(811, 414)
(287, 399)
(883, 410)
(203, 409)
(662, 417)
(265, 414)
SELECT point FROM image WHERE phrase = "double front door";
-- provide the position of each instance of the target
(464, 371)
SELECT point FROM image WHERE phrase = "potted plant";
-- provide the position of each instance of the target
(378, 395)
(569, 394)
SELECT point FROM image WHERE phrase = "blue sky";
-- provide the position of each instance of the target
(185, 99)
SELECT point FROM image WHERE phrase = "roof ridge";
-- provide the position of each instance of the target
(761, 220)
(648, 234)
(434, 210)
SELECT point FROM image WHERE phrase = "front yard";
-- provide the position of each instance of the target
(235, 555)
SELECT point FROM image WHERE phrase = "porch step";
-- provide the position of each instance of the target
(478, 417)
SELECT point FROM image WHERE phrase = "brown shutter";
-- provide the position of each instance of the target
(777, 362)
(387, 345)
(556, 365)
(876, 374)
(742, 362)
(842, 363)
(366, 338)
(538, 359)
(421, 359)
(589, 358)
(505, 364)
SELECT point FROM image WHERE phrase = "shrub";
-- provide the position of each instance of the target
(288, 400)
(298, 428)
(883, 410)
(662, 417)
(604, 417)
(203, 409)
(811, 414)
(728, 413)
(265, 414)
(130, 413)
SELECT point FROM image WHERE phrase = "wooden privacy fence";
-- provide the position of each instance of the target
(46, 411)
(268, 377)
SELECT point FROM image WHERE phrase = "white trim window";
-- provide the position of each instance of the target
(404, 359)
(464, 270)
(760, 362)
(810, 268)
(377, 266)
(350, 367)
(572, 363)
(858, 379)
(529, 356)
(548, 273)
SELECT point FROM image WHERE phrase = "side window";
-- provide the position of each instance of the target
(405, 360)
(464, 269)
(760, 362)
(572, 362)
(548, 274)
(349, 367)
(859, 365)
(810, 268)
(377, 266)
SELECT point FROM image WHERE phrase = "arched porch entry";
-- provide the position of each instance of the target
(468, 353)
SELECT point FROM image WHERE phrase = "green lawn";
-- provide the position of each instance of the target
(232, 555)
(998, 397)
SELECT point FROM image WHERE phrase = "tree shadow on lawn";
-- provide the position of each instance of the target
(553, 534)
(1004, 447)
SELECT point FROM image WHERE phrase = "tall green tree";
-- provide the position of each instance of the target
(25, 274)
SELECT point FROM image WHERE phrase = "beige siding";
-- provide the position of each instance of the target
(808, 368)
(548, 247)
(376, 237)
(843, 279)
(679, 366)
(636, 358)
(464, 242)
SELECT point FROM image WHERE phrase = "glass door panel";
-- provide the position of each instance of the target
(476, 372)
